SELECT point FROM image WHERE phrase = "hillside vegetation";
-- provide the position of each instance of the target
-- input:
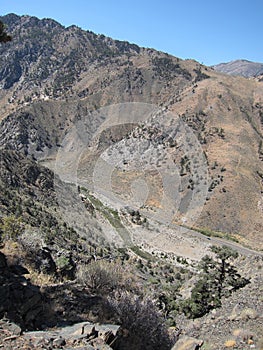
(107, 151)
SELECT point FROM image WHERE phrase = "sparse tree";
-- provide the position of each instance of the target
(4, 37)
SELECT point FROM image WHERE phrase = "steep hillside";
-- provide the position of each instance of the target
(54, 77)
(242, 68)
(131, 189)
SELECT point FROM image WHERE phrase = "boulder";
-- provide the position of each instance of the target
(10, 328)
(43, 260)
(188, 343)
(248, 313)
(231, 343)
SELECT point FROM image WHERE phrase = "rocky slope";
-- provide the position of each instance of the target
(53, 76)
(242, 68)
(175, 138)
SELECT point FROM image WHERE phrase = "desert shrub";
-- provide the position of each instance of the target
(142, 325)
(100, 277)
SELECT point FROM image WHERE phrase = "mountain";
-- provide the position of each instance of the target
(242, 68)
(126, 155)
(51, 76)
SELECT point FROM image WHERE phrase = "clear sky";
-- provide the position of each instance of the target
(208, 31)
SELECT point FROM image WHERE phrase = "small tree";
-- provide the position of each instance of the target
(4, 37)
(219, 278)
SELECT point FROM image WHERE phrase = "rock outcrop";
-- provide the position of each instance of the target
(21, 301)
(84, 336)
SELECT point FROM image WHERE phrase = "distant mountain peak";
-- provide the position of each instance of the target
(240, 67)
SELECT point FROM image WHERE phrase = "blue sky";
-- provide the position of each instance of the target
(208, 31)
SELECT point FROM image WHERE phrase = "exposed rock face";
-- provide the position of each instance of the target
(17, 171)
(42, 260)
(21, 302)
(85, 336)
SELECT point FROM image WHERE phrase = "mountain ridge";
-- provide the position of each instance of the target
(240, 67)
(64, 74)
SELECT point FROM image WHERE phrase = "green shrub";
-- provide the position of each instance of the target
(11, 228)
